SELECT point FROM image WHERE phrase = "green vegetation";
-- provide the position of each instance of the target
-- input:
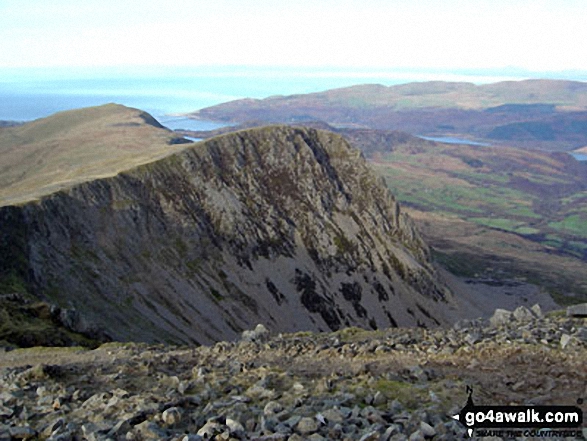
(343, 244)
(12, 283)
(217, 296)
(574, 224)
(537, 195)
(28, 323)
(496, 213)
(505, 224)
(181, 247)
(410, 395)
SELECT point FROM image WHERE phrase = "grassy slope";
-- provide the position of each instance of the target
(69, 147)
(505, 211)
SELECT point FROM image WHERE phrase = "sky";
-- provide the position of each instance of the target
(534, 35)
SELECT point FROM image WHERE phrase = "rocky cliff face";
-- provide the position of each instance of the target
(283, 226)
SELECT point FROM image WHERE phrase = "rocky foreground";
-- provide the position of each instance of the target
(393, 384)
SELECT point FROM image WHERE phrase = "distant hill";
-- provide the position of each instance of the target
(45, 155)
(546, 114)
(566, 94)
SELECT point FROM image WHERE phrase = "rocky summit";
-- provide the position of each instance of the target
(395, 384)
(288, 227)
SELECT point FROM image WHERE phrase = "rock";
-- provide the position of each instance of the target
(427, 430)
(221, 410)
(268, 424)
(259, 391)
(7, 399)
(6, 412)
(472, 337)
(316, 437)
(379, 399)
(171, 416)
(40, 372)
(199, 372)
(272, 437)
(292, 421)
(500, 317)
(307, 425)
(577, 310)
(91, 431)
(210, 429)
(581, 334)
(53, 427)
(121, 427)
(418, 373)
(537, 310)
(272, 407)
(71, 319)
(235, 367)
(417, 436)
(565, 340)
(371, 436)
(57, 403)
(523, 314)
(234, 426)
(392, 430)
(333, 416)
(259, 334)
(149, 431)
(42, 391)
(22, 432)
(298, 387)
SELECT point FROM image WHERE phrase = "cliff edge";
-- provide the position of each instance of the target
(283, 226)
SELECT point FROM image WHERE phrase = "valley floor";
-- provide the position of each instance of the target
(394, 384)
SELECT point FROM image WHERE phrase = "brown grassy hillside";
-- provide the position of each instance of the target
(69, 147)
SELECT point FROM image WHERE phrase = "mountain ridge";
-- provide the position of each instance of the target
(277, 225)
(480, 204)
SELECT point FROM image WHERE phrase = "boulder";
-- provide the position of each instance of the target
(537, 310)
(259, 334)
(577, 310)
(500, 317)
(307, 425)
(523, 314)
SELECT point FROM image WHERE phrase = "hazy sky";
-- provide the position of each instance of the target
(538, 35)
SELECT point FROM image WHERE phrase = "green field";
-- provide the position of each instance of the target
(537, 195)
